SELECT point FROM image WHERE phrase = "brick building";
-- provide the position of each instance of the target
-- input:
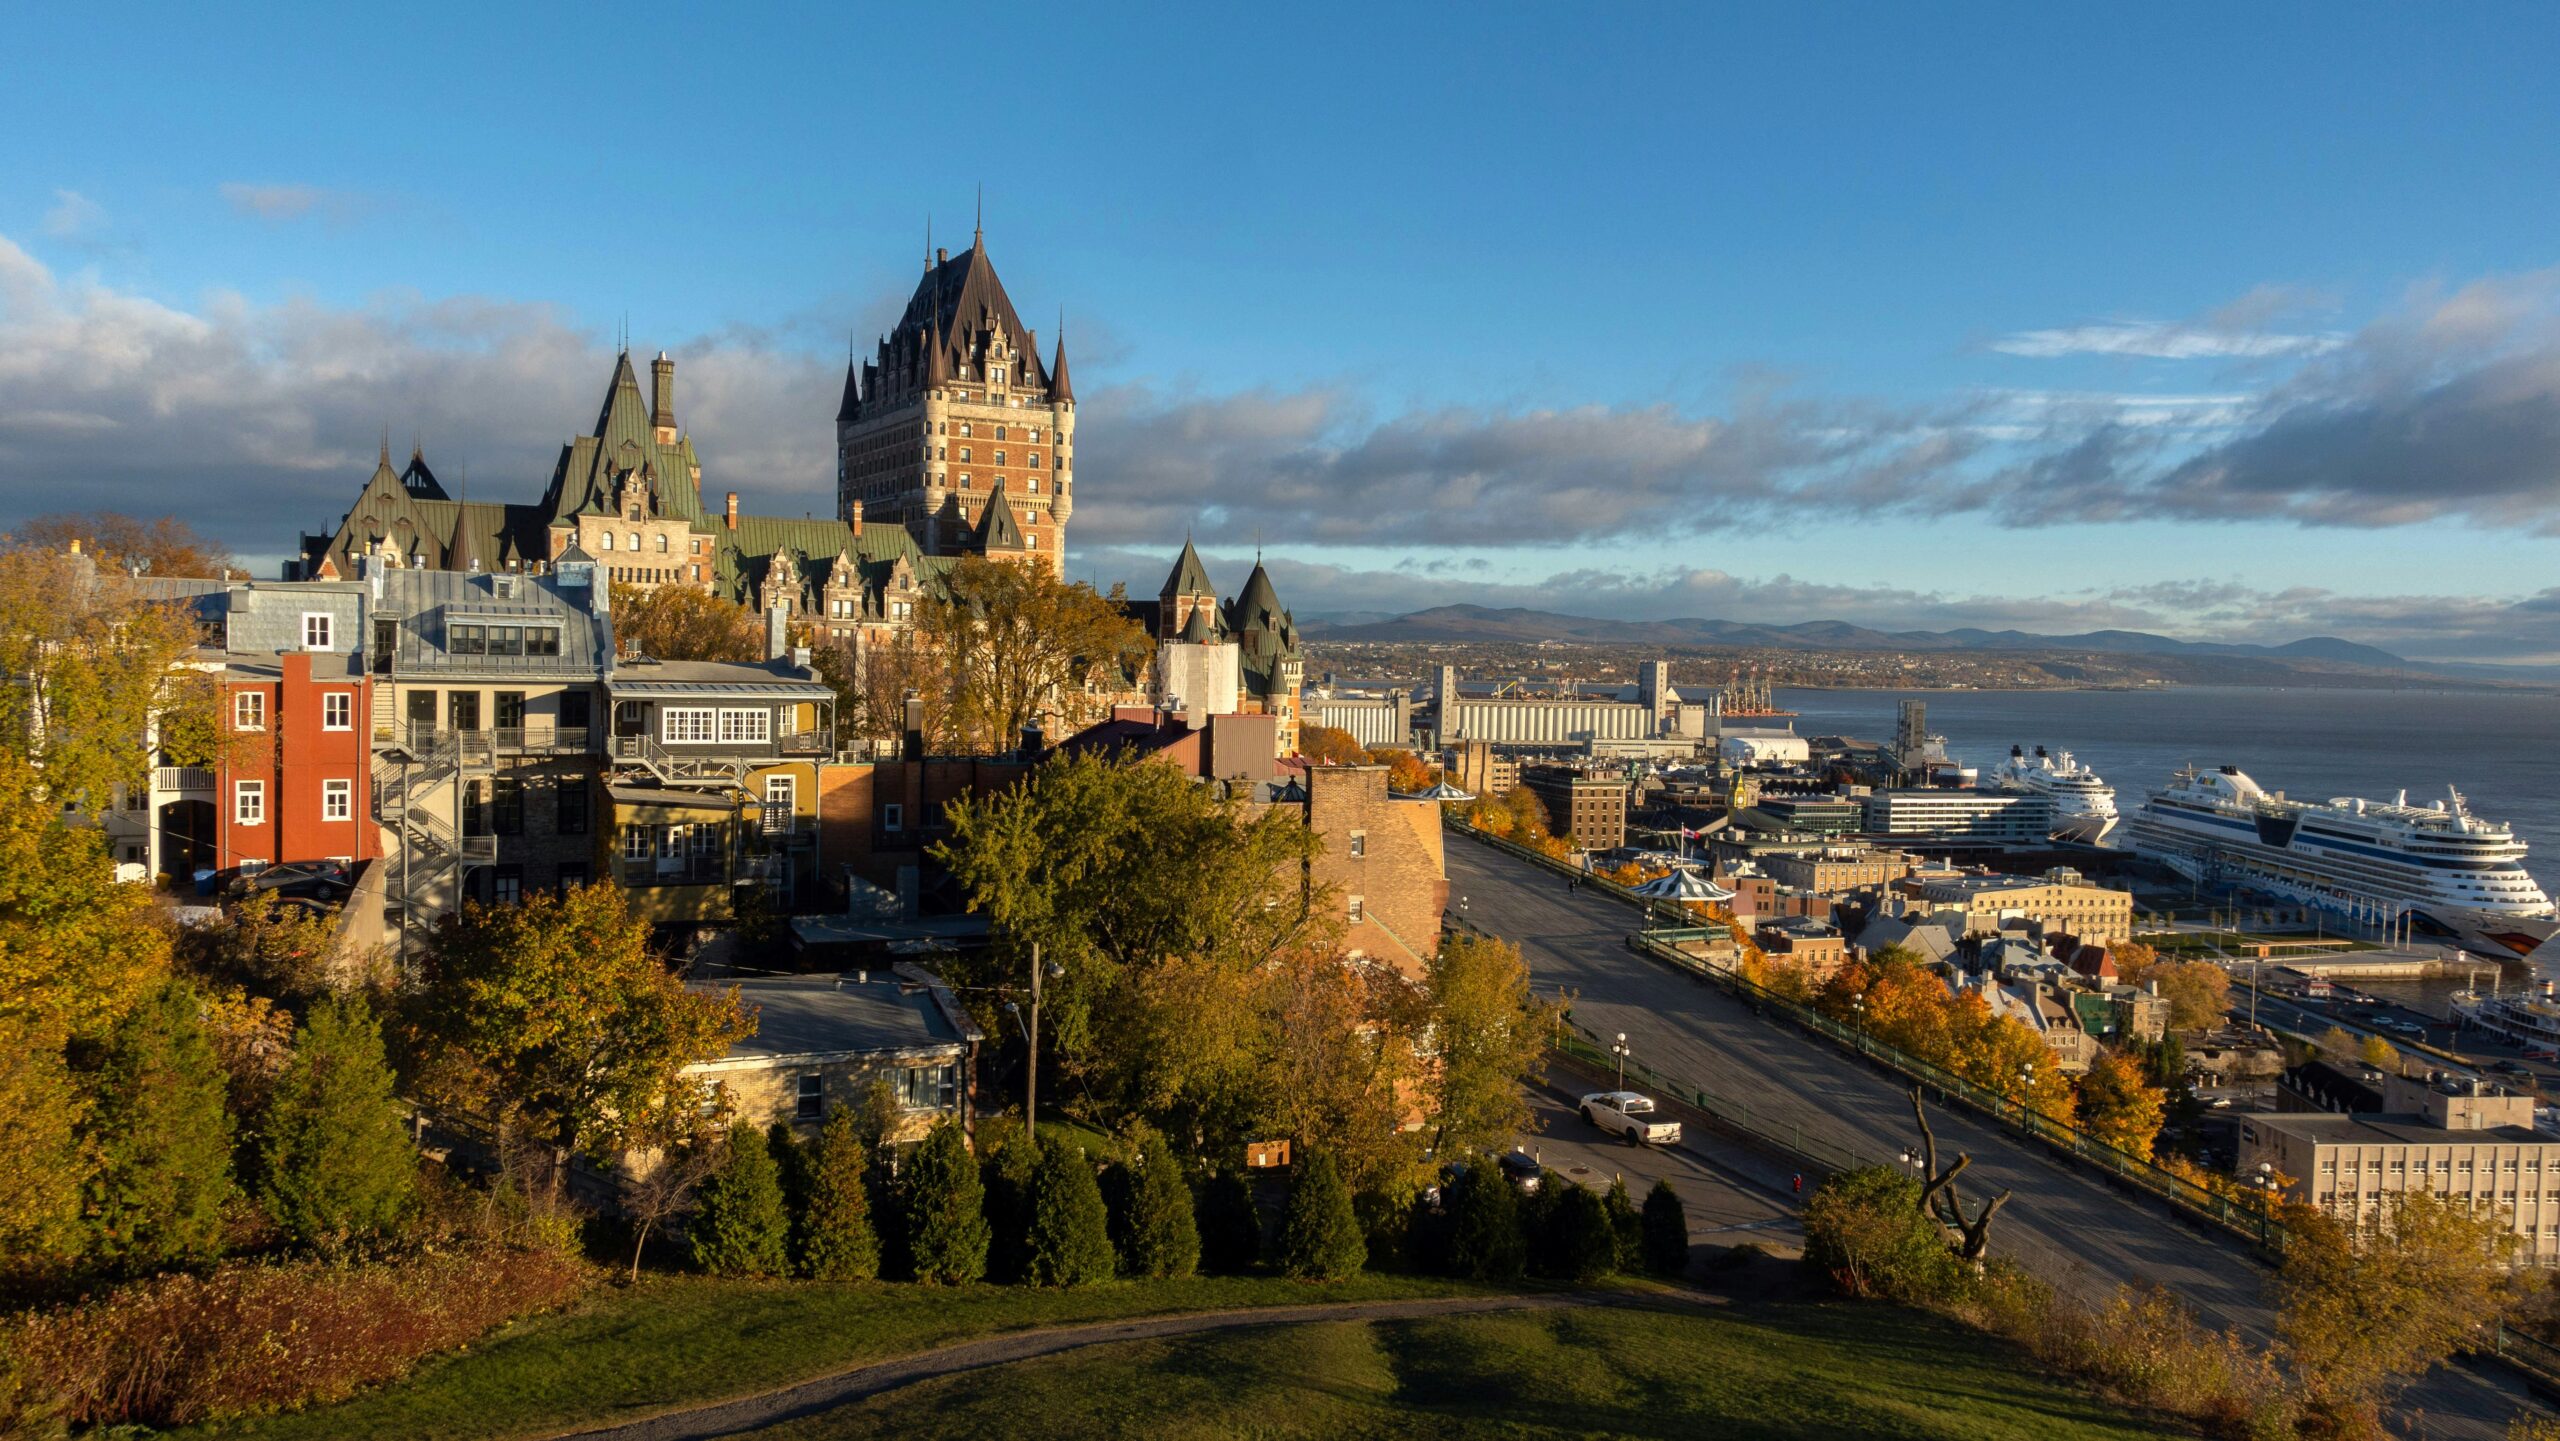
(1382, 858)
(1590, 808)
(955, 430)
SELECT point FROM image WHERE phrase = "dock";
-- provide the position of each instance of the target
(2389, 965)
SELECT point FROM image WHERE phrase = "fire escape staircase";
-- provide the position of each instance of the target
(406, 774)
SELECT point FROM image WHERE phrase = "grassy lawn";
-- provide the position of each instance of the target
(1781, 1370)
(681, 1340)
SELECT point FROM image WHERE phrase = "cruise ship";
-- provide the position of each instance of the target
(2450, 874)
(2084, 806)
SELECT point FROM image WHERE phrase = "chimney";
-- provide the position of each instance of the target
(940, 256)
(777, 633)
(857, 520)
(662, 411)
(915, 728)
(732, 513)
(1033, 744)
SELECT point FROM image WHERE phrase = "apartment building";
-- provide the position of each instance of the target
(2458, 1137)
(2060, 900)
(1981, 815)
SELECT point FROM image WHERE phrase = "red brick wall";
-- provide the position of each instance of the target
(294, 756)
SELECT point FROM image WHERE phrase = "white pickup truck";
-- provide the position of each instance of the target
(1628, 1114)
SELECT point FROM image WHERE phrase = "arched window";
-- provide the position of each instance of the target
(605, 541)
(662, 545)
(635, 541)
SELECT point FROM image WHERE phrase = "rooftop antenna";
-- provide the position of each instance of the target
(979, 236)
(386, 442)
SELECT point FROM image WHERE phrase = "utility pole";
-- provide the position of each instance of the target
(1031, 1091)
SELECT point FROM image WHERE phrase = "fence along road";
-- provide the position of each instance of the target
(2073, 1229)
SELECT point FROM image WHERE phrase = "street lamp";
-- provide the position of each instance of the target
(1620, 1051)
(2026, 1088)
(2265, 1181)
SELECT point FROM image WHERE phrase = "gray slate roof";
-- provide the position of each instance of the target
(819, 1015)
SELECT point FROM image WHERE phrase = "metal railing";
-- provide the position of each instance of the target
(1750, 1123)
(680, 871)
(181, 778)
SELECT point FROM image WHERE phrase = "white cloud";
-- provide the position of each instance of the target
(2156, 340)
(279, 203)
(74, 216)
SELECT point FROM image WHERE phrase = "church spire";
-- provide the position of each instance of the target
(1060, 388)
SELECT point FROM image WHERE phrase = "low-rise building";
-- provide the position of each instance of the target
(822, 1041)
(1836, 870)
(2463, 1139)
(2059, 901)
(1816, 946)
(1476, 768)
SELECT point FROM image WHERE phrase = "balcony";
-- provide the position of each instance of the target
(540, 740)
(182, 780)
(696, 870)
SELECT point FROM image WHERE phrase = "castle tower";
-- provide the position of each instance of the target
(955, 408)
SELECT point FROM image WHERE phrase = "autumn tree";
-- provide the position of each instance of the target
(1343, 1063)
(684, 622)
(566, 1020)
(161, 1133)
(1406, 771)
(1021, 644)
(77, 949)
(334, 1160)
(2359, 1315)
(2118, 1106)
(40, 1115)
(1330, 746)
(268, 945)
(90, 664)
(2198, 992)
(1488, 1033)
(2377, 1052)
(165, 546)
(675, 1158)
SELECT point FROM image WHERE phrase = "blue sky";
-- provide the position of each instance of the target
(1991, 314)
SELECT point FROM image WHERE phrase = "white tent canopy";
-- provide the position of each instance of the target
(1683, 884)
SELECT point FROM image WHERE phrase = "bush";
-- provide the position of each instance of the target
(1004, 1177)
(1070, 1228)
(790, 1170)
(255, 1338)
(1665, 1237)
(1158, 1235)
(1230, 1225)
(335, 1163)
(1578, 1241)
(835, 1238)
(162, 1136)
(1864, 1230)
(1320, 1237)
(1485, 1242)
(1626, 1226)
(738, 1227)
(944, 1206)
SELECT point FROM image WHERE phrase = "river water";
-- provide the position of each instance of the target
(2501, 749)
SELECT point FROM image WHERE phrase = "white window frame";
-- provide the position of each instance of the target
(249, 710)
(1352, 911)
(1359, 844)
(248, 803)
(746, 727)
(337, 710)
(337, 800)
(670, 732)
(319, 630)
(809, 1097)
(638, 842)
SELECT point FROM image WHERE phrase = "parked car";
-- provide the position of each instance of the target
(1522, 1170)
(1629, 1114)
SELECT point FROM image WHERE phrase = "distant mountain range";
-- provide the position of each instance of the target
(1487, 623)
(1448, 624)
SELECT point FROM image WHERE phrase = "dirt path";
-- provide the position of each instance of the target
(728, 1418)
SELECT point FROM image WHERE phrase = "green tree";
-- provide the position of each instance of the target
(1489, 1032)
(40, 1113)
(1159, 900)
(738, 1226)
(1005, 1173)
(1666, 1231)
(945, 1209)
(1230, 1224)
(1485, 1241)
(335, 1163)
(1070, 1227)
(77, 950)
(2358, 1316)
(162, 1137)
(1320, 1238)
(1626, 1225)
(2119, 1107)
(1580, 1244)
(836, 1241)
(562, 1017)
(791, 1172)
(1865, 1231)
(1159, 1237)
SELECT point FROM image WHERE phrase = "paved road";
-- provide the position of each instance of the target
(1731, 1195)
(749, 1413)
(2074, 1230)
